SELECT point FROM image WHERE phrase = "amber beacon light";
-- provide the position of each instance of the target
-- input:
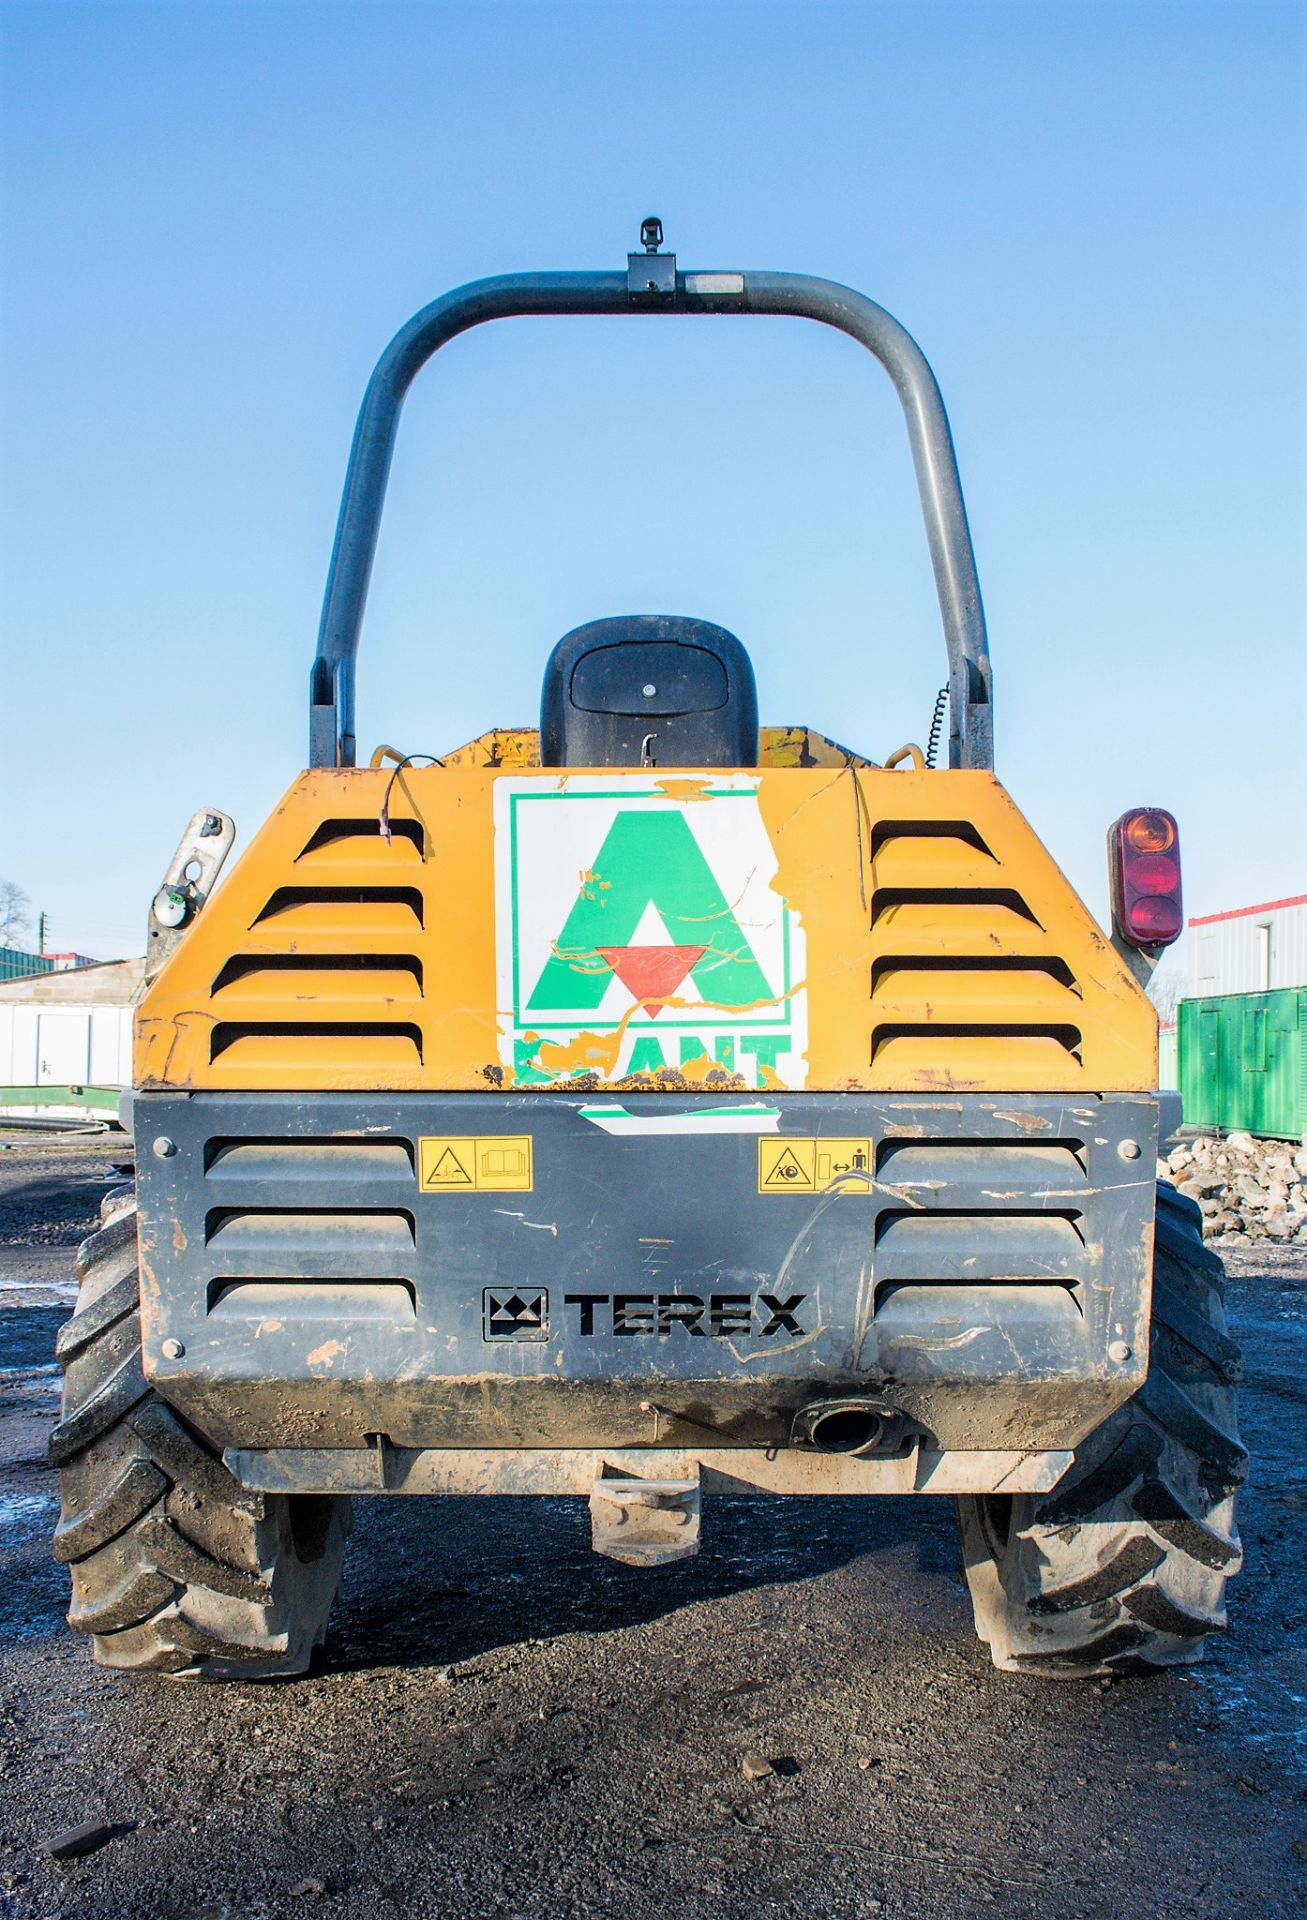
(1144, 852)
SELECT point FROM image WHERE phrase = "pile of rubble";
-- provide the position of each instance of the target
(1248, 1189)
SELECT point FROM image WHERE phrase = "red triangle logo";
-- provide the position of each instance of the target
(650, 974)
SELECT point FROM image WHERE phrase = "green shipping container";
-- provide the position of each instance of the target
(1243, 1062)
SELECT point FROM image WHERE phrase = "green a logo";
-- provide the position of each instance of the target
(650, 859)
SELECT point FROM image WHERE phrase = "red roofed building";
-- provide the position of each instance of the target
(1249, 949)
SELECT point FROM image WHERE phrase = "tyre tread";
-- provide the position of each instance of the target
(126, 1498)
(112, 1401)
(114, 1305)
(1123, 1565)
(164, 1579)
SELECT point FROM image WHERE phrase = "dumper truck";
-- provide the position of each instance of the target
(649, 1104)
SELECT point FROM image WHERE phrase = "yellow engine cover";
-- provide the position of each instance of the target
(794, 926)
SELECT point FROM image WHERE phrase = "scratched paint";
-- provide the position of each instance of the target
(638, 933)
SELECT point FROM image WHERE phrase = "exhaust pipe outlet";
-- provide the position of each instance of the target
(861, 1427)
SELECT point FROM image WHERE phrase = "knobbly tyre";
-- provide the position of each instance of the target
(646, 1104)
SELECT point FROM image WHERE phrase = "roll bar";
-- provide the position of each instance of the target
(652, 284)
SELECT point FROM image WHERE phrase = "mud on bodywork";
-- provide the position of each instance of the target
(795, 927)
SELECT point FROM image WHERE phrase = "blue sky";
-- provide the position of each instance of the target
(1091, 216)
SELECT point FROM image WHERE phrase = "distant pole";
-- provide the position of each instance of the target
(40, 933)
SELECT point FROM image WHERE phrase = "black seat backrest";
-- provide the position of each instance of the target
(649, 689)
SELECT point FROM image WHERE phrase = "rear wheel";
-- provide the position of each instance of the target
(176, 1568)
(1124, 1564)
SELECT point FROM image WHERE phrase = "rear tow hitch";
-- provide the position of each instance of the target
(644, 1523)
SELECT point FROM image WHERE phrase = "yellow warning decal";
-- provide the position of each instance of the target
(808, 1166)
(501, 1163)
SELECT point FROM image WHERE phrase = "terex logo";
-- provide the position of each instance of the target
(723, 1316)
(641, 930)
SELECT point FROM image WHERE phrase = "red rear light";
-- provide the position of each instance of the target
(1144, 857)
(1151, 873)
(1155, 920)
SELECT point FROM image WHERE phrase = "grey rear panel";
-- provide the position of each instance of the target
(986, 1271)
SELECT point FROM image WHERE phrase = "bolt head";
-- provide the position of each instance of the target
(1119, 1351)
(1129, 1149)
(164, 1148)
(172, 1349)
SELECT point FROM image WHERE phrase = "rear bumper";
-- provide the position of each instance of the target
(641, 1271)
(577, 1470)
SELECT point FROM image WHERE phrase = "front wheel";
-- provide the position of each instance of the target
(1124, 1564)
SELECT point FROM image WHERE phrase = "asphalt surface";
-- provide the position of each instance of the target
(502, 1724)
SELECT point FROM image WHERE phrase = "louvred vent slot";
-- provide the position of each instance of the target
(346, 840)
(326, 981)
(345, 908)
(947, 1010)
(353, 1046)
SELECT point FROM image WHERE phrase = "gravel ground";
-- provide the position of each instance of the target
(504, 1725)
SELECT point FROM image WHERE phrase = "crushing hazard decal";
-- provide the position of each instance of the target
(501, 1163)
(640, 931)
(790, 1165)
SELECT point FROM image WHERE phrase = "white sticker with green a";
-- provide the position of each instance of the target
(639, 929)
